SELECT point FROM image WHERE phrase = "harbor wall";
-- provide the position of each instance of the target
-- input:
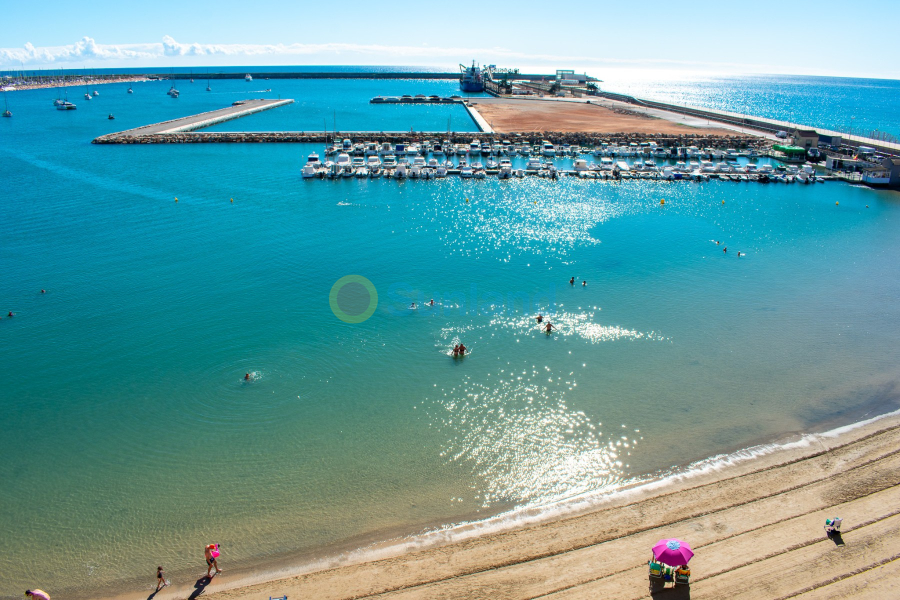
(333, 75)
(758, 123)
(581, 139)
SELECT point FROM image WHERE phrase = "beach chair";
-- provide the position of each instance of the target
(656, 570)
(682, 576)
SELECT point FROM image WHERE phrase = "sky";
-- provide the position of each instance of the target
(828, 37)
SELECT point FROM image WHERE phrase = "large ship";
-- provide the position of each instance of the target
(471, 78)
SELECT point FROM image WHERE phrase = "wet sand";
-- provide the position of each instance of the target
(756, 526)
(527, 115)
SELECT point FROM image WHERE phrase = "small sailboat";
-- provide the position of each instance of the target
(208, 89)
(96, 93)
(248, 77)
(130, 91)
(6, 113)
(110, 117)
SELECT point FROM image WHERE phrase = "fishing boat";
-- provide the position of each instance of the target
(471, 78)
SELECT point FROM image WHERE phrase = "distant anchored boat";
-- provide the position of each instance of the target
(248, 77)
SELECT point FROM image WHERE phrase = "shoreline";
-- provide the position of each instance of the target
(78, 84)
(519, 536)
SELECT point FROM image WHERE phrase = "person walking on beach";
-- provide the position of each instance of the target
(38, 594)
(212, 552)
(161, 580)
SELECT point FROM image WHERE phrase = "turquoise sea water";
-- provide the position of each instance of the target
(855, 106)
(130, 438)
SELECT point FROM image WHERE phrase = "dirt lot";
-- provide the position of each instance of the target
(508, 116)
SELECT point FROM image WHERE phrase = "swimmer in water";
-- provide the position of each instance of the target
(539, 318)
(456, 350)
(739, 253)
(572, 281)
(247, 377)
(549, 327)
(10, 314)
(412, 306)
(725, 250)
(432, 302)
(584, 283)
(43, 291)
(462, 350)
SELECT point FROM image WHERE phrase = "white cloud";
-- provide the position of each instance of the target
(171, 52)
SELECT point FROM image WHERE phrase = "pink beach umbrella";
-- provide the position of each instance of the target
(673, 552)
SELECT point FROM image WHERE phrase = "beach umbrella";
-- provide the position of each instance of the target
(672, 552)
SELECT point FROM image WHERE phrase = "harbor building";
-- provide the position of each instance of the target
(806, 138)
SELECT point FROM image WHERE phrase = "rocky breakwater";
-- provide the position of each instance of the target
(557, 138)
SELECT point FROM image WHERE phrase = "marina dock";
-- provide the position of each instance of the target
(191, 123)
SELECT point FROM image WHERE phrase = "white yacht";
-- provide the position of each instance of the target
(343, 164)
(373, 162)
(580, 165)
(475, 148)
(389, 161)
(606, 164)
(312, 166)
(248, 77)
(533, 164)
(547, 149)
(466, 173)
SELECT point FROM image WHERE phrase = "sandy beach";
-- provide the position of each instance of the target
(755, 523)
(507, 115)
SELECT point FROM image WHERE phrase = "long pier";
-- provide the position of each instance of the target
(338, 75)
(191, 123)
(758, 123)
